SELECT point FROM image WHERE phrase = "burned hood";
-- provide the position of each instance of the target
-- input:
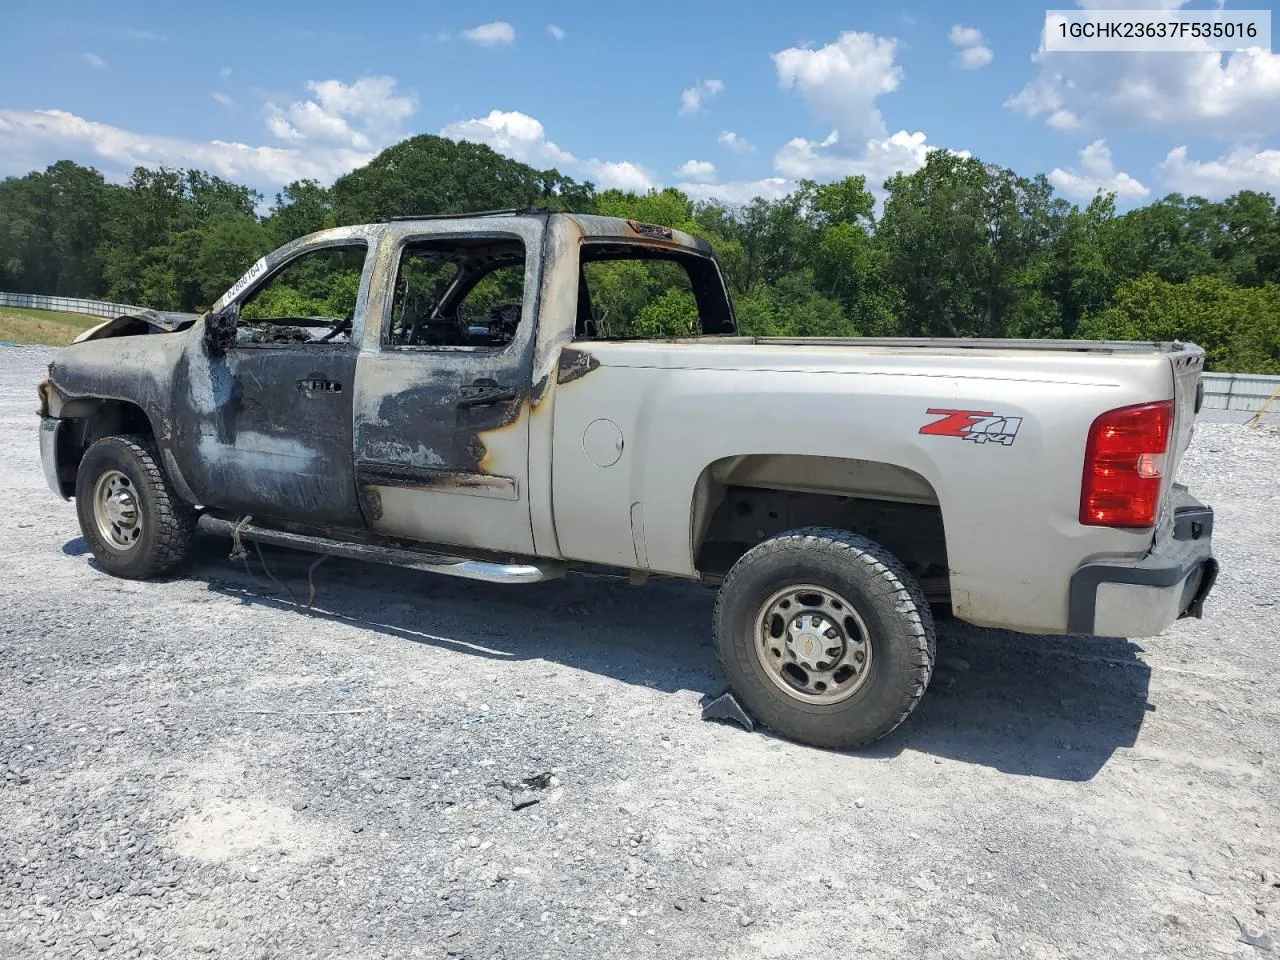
(139, 322)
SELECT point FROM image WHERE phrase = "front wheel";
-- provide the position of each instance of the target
(131, 518)
(825, 637)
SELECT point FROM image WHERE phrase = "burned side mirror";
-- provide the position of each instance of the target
(220, 331)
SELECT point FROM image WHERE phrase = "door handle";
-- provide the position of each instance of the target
(312, 385)
(482, 393)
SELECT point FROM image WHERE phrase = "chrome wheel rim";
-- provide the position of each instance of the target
(813, 644)
(116, 510)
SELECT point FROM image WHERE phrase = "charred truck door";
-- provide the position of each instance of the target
(442, 389)
(264, 396)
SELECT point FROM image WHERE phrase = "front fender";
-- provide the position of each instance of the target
(137, 370)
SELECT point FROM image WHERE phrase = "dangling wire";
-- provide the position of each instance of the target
(239, 552)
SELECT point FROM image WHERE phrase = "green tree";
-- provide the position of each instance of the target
(961, 247)
(227, 248)
(51, 227)
(1247, 238)
(1172, 238)
(1238, 327)
(673, 313)
(429, 175)
(792, 307)
(302, 207)
(156, 231)
(962, 241)
(667, 208)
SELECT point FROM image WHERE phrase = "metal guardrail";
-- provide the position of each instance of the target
(93, 308)
(1238, 391)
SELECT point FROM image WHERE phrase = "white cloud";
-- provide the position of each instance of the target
(697, 170)
(281, 128)
(95, 61)
(1097, 174)
(522, 137)
(840, 83)
(557, 32)
(29, 136)
(737, 192)
(1242, 168)
(226, 72)
(513, 134)
(693, 98)
(310, 121)
(962, 36)
(370, 101)
(1212, 93)
(340, 128)
(146, 35)
(223, 99)
(974, 52)
(975, 58)
(877, 160)
(735, 143)
(499, 33)
(622, 174)
(1063, 120)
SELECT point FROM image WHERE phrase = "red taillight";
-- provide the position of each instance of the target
(1124, 465)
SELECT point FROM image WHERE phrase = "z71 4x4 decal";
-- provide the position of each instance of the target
(980, 426)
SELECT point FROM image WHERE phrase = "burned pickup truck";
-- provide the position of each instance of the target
(509, 396)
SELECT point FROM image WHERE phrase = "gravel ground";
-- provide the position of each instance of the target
(196, 767)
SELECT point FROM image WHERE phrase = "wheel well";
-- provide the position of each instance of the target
(87, 420)
(744, 500)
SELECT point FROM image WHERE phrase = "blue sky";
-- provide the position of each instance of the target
(724, 100)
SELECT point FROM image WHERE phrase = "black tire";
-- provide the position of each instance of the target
(868, 578)
(167, 524)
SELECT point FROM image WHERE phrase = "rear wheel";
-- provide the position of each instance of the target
(128, 513)
(825, 637)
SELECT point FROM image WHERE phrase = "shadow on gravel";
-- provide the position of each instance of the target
(1052, 707)
(76, 548)
(656, 636)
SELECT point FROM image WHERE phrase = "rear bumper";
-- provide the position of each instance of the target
(50, 427)
(1142, 599)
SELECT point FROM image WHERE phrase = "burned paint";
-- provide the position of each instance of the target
(378, 473)
(371, 502)
(424, 424)
(132, 370)
(220, 332)
(249, 439)
(650, 229)
(443, 422)
(140, 322)
(575, 364)
(217, 417)
(539, 391)
(597, 227)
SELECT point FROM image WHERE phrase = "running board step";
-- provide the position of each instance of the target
(426, 560)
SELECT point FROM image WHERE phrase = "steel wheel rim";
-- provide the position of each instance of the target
(813, 644)
(116, 510)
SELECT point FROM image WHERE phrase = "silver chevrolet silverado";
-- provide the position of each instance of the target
(459, 395)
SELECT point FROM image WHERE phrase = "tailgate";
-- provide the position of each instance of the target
(1188, 364)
